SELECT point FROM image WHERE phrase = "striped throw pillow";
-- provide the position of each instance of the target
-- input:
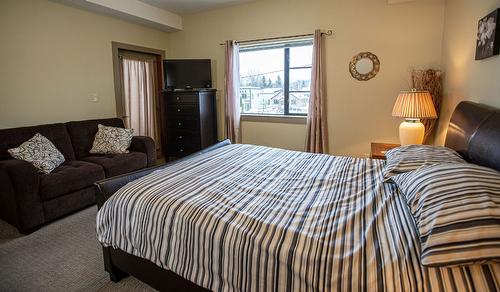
(407, 158)
(456, 207)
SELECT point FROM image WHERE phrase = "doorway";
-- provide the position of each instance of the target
(138, 85)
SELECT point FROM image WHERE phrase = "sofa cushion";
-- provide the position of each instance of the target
(82, 134)
(69, 177)
(56, 133)
(116, 164)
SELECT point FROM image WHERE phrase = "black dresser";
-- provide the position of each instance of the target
(191, 121)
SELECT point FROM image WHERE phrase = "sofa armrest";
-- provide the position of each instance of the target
(20, 203)
(146, 145)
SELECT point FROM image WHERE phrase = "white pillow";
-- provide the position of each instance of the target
(40, 152)
(111, 140)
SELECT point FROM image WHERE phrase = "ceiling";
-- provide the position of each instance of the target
(183, 7)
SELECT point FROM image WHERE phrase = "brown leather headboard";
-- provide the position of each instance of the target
(474, 132)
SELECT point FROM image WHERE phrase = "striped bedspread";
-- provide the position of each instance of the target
(253, 218)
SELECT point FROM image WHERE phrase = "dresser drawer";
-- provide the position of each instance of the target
(182, 98)
(177, 122)
(189, 121)
(176, 136)
(181, 149)
(183, 109)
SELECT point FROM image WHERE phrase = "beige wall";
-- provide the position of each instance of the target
(54, 57)
(402, 36)
(466, 79)
(287, 136)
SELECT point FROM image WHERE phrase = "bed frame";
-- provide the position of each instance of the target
(474, 132)
(120, 264)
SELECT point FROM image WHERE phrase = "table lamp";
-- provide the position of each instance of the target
(413, 105)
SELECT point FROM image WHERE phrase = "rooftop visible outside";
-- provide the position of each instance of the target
(264, 73)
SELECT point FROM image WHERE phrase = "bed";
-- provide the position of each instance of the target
(253, 218)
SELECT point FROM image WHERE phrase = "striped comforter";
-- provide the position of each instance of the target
(252, 218)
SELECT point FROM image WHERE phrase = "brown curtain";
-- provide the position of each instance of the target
(317, 132)
(432, 81)
(232, 89)
(140, 92)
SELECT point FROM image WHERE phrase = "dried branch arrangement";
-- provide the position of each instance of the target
(432, 81)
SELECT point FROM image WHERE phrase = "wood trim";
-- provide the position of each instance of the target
(274, 119)
(378, 150)
(116, 47)
(120, 107)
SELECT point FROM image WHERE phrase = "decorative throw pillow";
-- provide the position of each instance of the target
(40, 152)
(111, 140)
(456, 207)
(407, 158)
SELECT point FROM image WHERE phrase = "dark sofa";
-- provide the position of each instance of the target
(28, 199)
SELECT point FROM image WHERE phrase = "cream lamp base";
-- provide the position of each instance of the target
(411, 131)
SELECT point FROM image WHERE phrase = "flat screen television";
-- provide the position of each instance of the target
(187, 74)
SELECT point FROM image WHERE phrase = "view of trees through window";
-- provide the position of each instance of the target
(276, 81)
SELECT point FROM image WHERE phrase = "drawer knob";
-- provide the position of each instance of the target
(180, 124)
(180, 137)
(182, 150)
(178, 98)
(178, 110)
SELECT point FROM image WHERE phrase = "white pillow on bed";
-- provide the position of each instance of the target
(410, 157)
(456, 207)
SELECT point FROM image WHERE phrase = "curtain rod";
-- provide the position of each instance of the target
(327, 33)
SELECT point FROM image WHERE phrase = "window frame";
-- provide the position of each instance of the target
(286, 45)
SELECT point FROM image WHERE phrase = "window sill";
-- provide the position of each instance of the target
(274, 119)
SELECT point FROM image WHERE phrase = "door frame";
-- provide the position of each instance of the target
(120, 107)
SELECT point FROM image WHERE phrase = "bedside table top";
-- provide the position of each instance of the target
(378, 149)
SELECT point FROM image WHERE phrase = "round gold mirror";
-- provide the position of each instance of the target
(364, 66)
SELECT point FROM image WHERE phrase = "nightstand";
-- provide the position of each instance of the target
(378, 149)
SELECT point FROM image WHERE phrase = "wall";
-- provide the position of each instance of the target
(465, 78)
(55, 57)
(403, 36)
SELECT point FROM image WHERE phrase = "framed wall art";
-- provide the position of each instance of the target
(488, 36)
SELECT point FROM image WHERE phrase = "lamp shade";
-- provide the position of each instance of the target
(414, 104)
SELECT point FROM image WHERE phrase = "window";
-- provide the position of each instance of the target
(275, 78)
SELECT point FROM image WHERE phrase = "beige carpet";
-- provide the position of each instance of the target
(62, 256)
